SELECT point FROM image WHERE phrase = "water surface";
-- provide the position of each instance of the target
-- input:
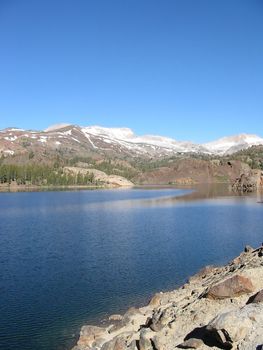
(69, 258)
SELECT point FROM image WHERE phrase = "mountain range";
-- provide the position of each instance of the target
(120, 142)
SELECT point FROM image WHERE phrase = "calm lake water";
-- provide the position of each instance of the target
(70, 258)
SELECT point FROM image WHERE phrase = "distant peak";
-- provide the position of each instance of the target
(11, 128)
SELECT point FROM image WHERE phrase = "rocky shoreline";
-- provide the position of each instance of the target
(218, 308)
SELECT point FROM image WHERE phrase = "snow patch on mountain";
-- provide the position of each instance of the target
(115, 133)
(126, 138)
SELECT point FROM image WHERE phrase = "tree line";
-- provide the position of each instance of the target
(42, 175)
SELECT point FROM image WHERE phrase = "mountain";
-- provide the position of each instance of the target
(232, 144)
(72, 140)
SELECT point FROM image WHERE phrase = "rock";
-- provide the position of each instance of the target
(156, 300)
(248, 182)
(89, 334)
(243, 326)
(191, 343)
(115, 317)
(203, 273)
(127, 319)
(232, 326)
(157, 342)
(185, 314)
(121, 342)
(162, 318)
(232, 287)
(145, 341)
(248, 249)
(257, 298)
(99, 175)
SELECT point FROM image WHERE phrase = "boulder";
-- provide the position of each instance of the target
(228, 328)
(162, 318)
(89, 334)
(232, 287)
(234, 326)
(145, 341)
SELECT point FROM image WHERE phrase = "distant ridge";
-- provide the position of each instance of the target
(115, 141)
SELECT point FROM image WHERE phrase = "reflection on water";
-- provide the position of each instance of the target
(201, 192)
(69, 258)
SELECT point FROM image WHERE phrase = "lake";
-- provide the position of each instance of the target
(74, 257)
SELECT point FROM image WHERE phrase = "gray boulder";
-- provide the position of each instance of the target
(236, 326)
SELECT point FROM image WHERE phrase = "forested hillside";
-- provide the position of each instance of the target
(40, 175)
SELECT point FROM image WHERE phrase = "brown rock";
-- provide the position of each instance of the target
(232, 287)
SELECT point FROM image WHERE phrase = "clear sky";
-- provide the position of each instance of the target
(188, 69)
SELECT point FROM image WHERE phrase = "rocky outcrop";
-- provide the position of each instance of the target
(111, 180)
(219, 308)
(249, 182)
(189, 171)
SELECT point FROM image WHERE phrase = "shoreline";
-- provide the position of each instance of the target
(212, 310)
(35, 188)
(201, 190)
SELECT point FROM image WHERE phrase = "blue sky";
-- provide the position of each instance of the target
(188, 69)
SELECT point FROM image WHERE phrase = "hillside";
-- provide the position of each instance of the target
(42, 157)
(95, 141)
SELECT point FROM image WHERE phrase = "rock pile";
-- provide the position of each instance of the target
(219, 308)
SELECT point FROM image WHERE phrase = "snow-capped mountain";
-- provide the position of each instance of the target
(232, 144)
(125, 137)
(74, 140)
